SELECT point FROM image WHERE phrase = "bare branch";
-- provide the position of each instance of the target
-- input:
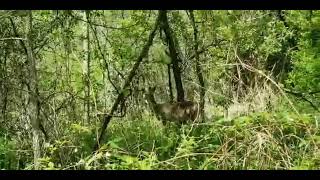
(12, 38)
(102, 25)
(103, 57)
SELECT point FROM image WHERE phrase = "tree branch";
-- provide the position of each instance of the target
(104, 26)
(17, 35)
(121, 96)
(301, 95)
(103, 57)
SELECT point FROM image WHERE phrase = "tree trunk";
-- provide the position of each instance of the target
(173, 53)
(170, 84)
(198, 66)
(4, 89)
(67, 48)
(34, 106)
(86, 64)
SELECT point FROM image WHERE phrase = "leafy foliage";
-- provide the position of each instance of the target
(261, 71)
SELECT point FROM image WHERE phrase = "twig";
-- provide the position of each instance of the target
(205, 48)
(104, 26)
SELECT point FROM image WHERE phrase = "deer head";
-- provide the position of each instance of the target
(179, 112)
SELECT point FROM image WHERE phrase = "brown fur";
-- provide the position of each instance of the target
(180, 112)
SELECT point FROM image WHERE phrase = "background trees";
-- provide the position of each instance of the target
(77, 76)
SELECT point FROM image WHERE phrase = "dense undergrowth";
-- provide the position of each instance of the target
(258, 141)
(256, 72)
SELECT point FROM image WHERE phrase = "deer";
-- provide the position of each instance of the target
(179, 112)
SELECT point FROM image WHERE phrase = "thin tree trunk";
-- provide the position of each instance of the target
(34, 107)
(198, 66)
(4, 89)
(86, 64)
(67, 39)
(127, 82)
(170, 84)
(310, 16)
(84, 68)
(174, 55)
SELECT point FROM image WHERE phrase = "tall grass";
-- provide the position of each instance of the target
(257, 141)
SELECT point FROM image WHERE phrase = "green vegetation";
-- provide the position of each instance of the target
(74, 88)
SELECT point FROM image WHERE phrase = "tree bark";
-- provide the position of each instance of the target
(25, 49)
(198, 66)
(170, 84)
(34, 107)
(4, 89)
(173, 53)
(127, 82)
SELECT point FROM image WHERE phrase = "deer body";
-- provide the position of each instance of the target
(180, 112)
